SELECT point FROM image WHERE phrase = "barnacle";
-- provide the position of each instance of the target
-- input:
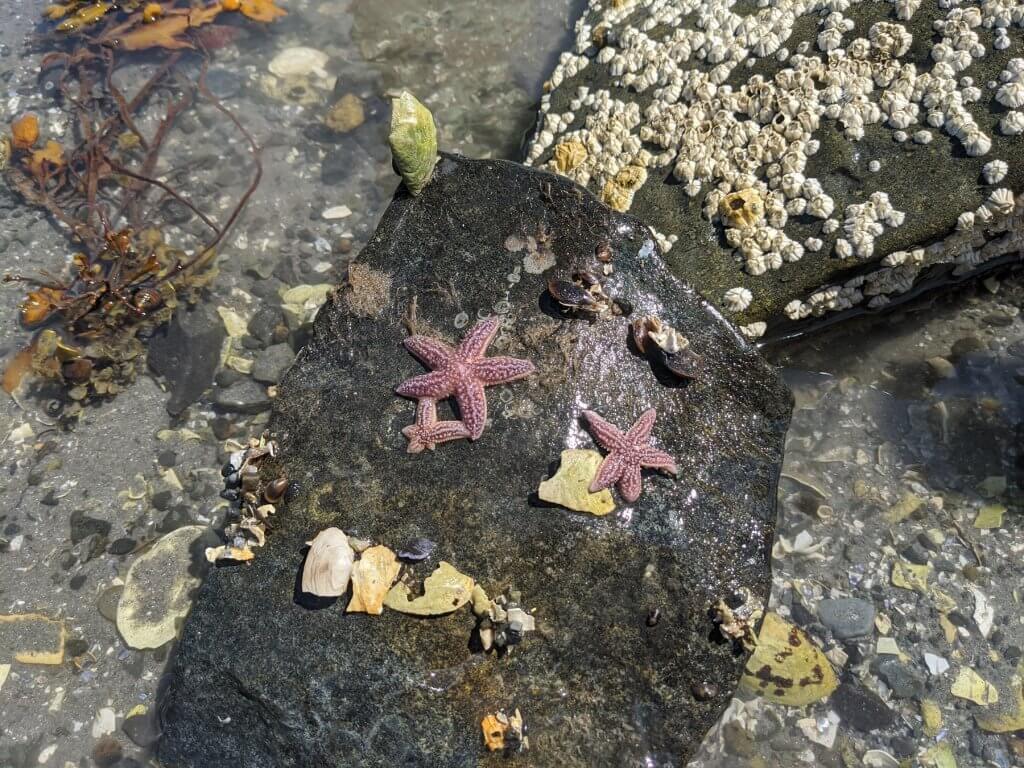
(742, 209)
(413, 141)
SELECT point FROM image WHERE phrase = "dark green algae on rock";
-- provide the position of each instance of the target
(262, 677)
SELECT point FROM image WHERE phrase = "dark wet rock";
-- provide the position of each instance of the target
(106, 752)
(847, 617)
(904, 682)
(162, 499)
(143, 729)
(122, 546)
(264, 322)
(83, 526)
(245, 396)
(272, 362)
(903, 746)
(186, 353)
(77, 582)
(596, 685)
(174, 519)
(861, 708)
(167, 458)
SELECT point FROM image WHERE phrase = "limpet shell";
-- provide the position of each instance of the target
(413, 141)
(328, 564)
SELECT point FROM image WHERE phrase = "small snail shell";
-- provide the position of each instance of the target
(328, 564)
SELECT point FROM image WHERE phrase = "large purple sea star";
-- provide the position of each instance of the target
(427, 432)
(628, 452)
(462, 372)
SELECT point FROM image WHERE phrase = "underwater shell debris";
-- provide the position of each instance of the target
(413, 141)
(329, 564)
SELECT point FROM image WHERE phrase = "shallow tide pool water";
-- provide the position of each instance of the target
(907, 426)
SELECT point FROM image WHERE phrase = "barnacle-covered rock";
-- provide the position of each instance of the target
(413, 141)
(583, 583)
(746, 166)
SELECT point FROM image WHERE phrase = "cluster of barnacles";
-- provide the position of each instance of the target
(737, 616)
(257, 501)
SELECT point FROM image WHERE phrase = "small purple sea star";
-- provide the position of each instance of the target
(627, 453)
(463, 372)
(427, 432)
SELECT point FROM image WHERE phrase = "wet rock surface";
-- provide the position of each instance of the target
(597, 681)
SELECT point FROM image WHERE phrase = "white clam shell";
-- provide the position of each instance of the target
(328, 565)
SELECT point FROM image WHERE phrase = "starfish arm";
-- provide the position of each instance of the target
(445, 431)
(630, 484)
(433, 352)
(499, 370)
(412, 434)
(426, 411)
(607, 474)
(641, 431)
(480, 335)
(606, 433)
(434, 385)
(656, 459)
(469, 394)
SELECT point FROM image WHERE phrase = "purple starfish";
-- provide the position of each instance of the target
(427, 432)
(463, 372)
(627, 453)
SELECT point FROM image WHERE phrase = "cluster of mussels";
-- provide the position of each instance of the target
(256, 498)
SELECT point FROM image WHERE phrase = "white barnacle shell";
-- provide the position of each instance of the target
(994, 171)
(1011, 94)
(813, 244)
(1001, 201)
(983, 214)
(738, 299)
(894, 259)
(977, 143)
(923, 137)
(1012, 123)
(965, 221)
(844, 249)
(830, 226)
(754, 330)
(795, 310)
(328, 564)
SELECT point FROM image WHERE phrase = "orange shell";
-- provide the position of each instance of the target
(25, 131)
(231, 5)
(494, 733)
(152, 12)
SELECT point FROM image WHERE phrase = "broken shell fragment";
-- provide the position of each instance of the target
(413, 141)
(372, 577)
(328, 564)
(569, 487)
(444, 591)
(494, 732)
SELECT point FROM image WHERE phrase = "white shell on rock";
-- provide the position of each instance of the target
(299, 62)
(328, 565)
